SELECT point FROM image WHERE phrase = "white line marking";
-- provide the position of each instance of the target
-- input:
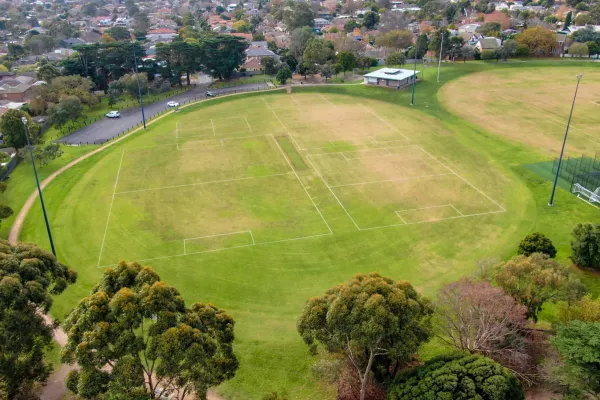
(431, 220)
(110, 208)
(204, 183)
(382, 120)
(424, 208)
(227, 248)
(282, 124)
(247, 123)
(402, 219)
(369, 149)
(184, 250)
(252, 236)
(268, 106)
(330, 190)
(217, 235)
(296, 101)
(213, 126)
(391, 180)
(457, 210)
(327, 100)
(466, 181)
(301, 184)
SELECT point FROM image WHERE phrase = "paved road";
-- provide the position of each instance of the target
(107, 128)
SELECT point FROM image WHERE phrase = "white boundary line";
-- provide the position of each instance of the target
(330, 190)
(227, 248)
(110, 208)
(213, 127)
(392, 180)
(466, 181)
(326, 99)
(296, 101)
(217, 235)
(431, 220)
(384, 121)
(204, 183)
(301, 184)
(247, 123)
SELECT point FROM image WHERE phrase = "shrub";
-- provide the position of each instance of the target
(488, 55)
(522, 51)
(586, 246)
(536, 243)
(457, 376)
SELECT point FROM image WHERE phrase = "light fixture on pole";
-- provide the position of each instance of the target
(137, 75)
(37, 182)
(562, 150)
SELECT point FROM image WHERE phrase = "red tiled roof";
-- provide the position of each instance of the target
(161, 30)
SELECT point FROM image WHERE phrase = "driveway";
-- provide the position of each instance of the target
(106, 129)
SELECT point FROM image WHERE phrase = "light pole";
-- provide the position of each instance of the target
(137, 75)
(562, 150)
(440, 62)
(412, 100)
(37, 182)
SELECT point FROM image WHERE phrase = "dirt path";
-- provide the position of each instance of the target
(55, 388)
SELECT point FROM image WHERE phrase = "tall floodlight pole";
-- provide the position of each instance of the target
(412, 100)
(440, 61)
(37, 182)
(562, 150)
(137, 75)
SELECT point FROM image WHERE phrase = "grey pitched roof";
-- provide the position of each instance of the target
(259, 52)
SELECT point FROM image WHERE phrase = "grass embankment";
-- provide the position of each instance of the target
(264, 287)
(243, 80)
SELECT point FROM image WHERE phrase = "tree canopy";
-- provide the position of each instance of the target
(536, 243)
(578, 344)
(540, 41)
(298, 15)
(536, 279)
(29, 276)
(134, 337)
(457, 376)
(366, 317)
(585, 246)
(478, 318)
(13, 130)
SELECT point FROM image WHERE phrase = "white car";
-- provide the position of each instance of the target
(173, 104)
(113, 114)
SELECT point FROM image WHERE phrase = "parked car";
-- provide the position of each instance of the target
(173, 104)
(113, 114)
(210, 94)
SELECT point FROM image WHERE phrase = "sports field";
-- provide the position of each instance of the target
(532, 106)
(238, 181)
(257, 202)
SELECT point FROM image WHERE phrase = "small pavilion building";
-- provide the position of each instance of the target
(391, 77)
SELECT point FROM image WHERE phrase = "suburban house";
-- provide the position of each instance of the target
(161, 35)
(488, 43)
(70, 42)
(17, 89)
(391, 77)
(254, 55)
(561, 39)
(321, 23)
